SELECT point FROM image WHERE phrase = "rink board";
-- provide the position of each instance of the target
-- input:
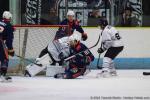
(121, 63)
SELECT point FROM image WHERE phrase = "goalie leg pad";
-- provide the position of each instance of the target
(52, 70)
(35, 69)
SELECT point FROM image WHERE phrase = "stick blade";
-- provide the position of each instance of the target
(99, 67)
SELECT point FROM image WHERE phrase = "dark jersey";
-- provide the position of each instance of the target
(7, 34)
(72, 26)
(6, 39)
(67, 31)
(79, 60)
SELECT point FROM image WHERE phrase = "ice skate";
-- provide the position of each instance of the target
(104, 74)
(27, 74)
(59, 76)
(6, 79)
(113, 72)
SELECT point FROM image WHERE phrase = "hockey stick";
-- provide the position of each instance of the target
(28, 60)
(5, 48)
(84, 50)
(98, 62)
(146, 73)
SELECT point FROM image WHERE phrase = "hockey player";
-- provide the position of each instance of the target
(77, 65)
(112, 44)
(73, 25)
(55, 47)
(51, 55)
(6, 46)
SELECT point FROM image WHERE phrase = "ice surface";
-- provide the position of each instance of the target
(128, 83)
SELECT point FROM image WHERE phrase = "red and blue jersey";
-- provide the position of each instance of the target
(80, 59)
(71, 27)
(74, 25)
(7, 34)
(6, 39)
(77, 65)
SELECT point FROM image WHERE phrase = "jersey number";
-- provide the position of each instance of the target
(117, 36)
(1, 29)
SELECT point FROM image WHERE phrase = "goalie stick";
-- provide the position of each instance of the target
(146, 73)
(84, 50)
(28, 60)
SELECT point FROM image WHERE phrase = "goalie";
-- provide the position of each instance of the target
(49, 56)
(77, 65)
(52, 54)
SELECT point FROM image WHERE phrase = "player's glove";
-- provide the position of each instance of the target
(11, 52)
(100, 50)
(84, 36)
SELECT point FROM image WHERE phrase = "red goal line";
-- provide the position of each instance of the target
(40, 25)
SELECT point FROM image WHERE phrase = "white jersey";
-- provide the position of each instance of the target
(111, 38)
(58, 46)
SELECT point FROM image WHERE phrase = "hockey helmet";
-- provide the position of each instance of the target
(70, 13)
(103, 22)
(74, 37)
(7, 15)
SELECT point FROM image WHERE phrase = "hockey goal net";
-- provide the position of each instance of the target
(29, 41)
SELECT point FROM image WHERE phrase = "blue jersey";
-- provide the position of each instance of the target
(6, 39)
(7, 34)
(80, 59)
(67, 31)
(72, 26)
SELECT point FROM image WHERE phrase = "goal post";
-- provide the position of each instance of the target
(30, 40)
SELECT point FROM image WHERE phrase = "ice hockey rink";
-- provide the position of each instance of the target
(128, 85)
